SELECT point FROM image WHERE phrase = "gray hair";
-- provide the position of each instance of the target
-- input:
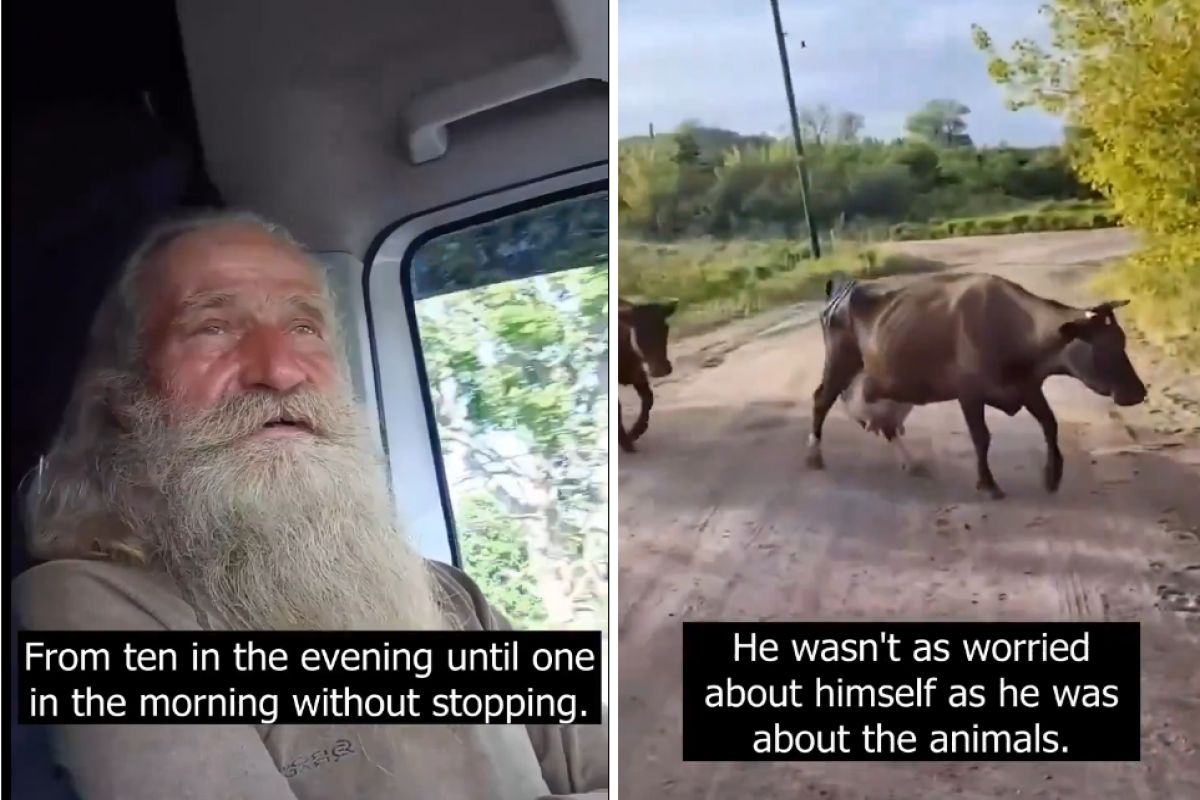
(68, 497)
(116, 335)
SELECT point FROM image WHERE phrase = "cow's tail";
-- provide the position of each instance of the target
(837, 292)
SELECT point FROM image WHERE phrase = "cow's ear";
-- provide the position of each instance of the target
(828, 288)
(1109, 306)
(669, 307)
(1080, 328)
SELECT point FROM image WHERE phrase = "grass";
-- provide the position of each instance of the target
(717, 281)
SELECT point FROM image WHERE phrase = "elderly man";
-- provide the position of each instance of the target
(213, 472)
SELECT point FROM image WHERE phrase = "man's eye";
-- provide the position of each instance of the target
(304, 328)
(211, 329)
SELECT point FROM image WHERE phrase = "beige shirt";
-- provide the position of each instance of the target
(293, 762)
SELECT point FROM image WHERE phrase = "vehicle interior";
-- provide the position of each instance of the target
(446, 162)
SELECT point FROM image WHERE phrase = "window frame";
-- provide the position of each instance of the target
(399, 376)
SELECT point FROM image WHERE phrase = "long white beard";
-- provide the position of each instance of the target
(282, 533)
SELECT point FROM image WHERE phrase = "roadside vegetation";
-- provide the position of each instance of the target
(1125, 74)
(700, 181)
(1052, 216)
(719, 280)
(716, 218)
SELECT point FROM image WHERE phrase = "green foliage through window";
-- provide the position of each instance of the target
(518, 376)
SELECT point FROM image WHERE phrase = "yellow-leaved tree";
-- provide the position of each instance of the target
(1125, 75)
(648, 176)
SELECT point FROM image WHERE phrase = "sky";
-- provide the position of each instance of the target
(716, 61)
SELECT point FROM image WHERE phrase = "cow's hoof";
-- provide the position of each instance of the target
(815, 460)
(1053, 477)
(994, 491)
(919, 471)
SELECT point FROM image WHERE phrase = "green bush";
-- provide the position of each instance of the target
(1163, 282)
(495, 550)
(1070, 205)
(1055, 216)
(738, 277)
(908, 231)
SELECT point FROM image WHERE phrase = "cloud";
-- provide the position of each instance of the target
(716, 60)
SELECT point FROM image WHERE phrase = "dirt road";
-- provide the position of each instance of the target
(720, 519)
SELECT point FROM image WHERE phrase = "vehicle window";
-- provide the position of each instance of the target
(512, 317)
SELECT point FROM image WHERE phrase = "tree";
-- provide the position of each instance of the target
(518, 377)
(922, 162)
(940, 122)
(648, 188)
(748, 185)
(1124, 74)
(883, 192)
(848, 127)
(687, 151)
(815, 123)
(495, 550)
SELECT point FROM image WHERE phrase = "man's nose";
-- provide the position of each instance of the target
(268, 361)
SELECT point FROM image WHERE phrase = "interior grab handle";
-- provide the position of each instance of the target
(583, 56)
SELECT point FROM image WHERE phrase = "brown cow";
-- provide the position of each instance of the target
(641, 345)
(978, 339)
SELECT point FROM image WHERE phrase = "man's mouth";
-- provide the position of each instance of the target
(285, 426)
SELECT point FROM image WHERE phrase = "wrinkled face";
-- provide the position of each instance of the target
(1098, 358)
(650, 331)
(234, 311)
(265, 496)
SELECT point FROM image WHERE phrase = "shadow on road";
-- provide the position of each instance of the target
(759, 449)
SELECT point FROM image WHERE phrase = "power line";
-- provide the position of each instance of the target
(801, 166)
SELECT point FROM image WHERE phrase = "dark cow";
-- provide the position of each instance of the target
(642, 345)
(978, 339)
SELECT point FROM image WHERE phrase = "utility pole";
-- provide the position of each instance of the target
(800, 162)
